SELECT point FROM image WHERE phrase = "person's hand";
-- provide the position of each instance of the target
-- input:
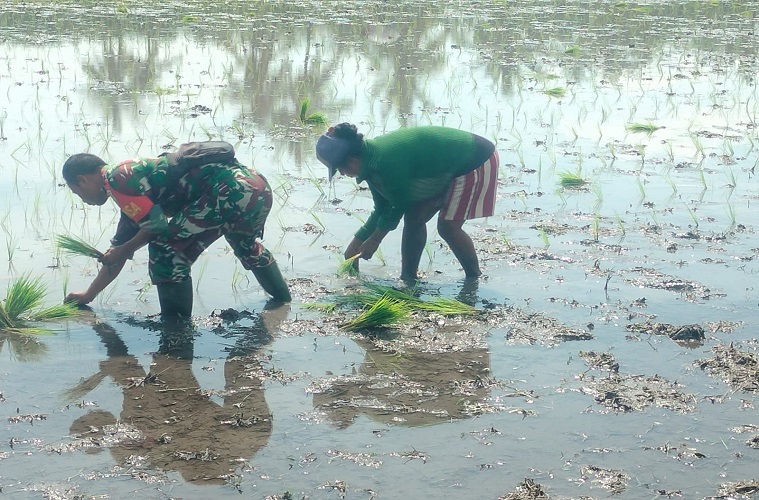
(354, 248)
(368, 248)
(80, 298)
(115, 256)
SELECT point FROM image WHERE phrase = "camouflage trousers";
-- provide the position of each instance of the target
(234, 203)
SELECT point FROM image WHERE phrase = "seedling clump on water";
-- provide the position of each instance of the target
(571, 180)
(22, 305)
(383, 306)
(647, 128)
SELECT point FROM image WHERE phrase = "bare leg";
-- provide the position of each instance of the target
(412, 246)
(415, 237)
(461, 245)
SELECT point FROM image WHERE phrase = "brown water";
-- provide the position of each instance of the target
(283, 402)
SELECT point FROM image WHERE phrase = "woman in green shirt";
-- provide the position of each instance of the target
(414, 173)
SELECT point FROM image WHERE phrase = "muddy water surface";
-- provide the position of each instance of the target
(615, 351)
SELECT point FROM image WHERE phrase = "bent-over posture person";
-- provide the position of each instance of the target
(177, 216)
(414, 173)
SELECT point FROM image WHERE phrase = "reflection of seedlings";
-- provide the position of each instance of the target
(646, 128)
(612, 151)
(731, 213)
(698, 145)
(692, 215)
(621, 224)
(702, 176)
(732, 182)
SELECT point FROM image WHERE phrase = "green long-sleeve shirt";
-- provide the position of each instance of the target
(414, 164)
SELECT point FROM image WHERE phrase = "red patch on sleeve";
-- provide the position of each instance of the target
(135, 207)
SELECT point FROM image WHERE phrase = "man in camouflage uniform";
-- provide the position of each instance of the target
(178, 214)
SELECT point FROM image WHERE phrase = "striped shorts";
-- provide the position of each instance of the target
(472, 195)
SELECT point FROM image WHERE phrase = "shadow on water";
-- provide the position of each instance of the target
(167, 420)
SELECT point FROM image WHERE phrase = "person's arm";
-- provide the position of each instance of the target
(121, 253)
(371, 244)
(105, 276)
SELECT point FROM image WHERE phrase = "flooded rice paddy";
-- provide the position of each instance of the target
(614, 353)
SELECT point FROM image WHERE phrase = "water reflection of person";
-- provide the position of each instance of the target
(180, 428)
(410, 389)
(414, 173)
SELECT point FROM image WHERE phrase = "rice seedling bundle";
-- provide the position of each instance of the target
(22, 302)
(646, 128)
(385, 311)
(569, 180)
(347, 268)
(76, 246)
(447, 306)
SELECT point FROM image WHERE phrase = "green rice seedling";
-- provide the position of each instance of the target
(596, 226)
(384, 312)
(321, 306)
(21, 305)
(641, 188)
(75, 246)
(646, 128)
(544, 237)
(732, 214)
(57, 311)
(557, 92)
(388, 291)
(692, 215)
(573, 51)
(621, 224)
(318, 220)
(347, 267)
(317, 118)
(571, 180)
(23, 295)
(447, 306)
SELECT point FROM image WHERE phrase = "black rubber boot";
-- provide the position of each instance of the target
(271, 280)
(175, 299)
